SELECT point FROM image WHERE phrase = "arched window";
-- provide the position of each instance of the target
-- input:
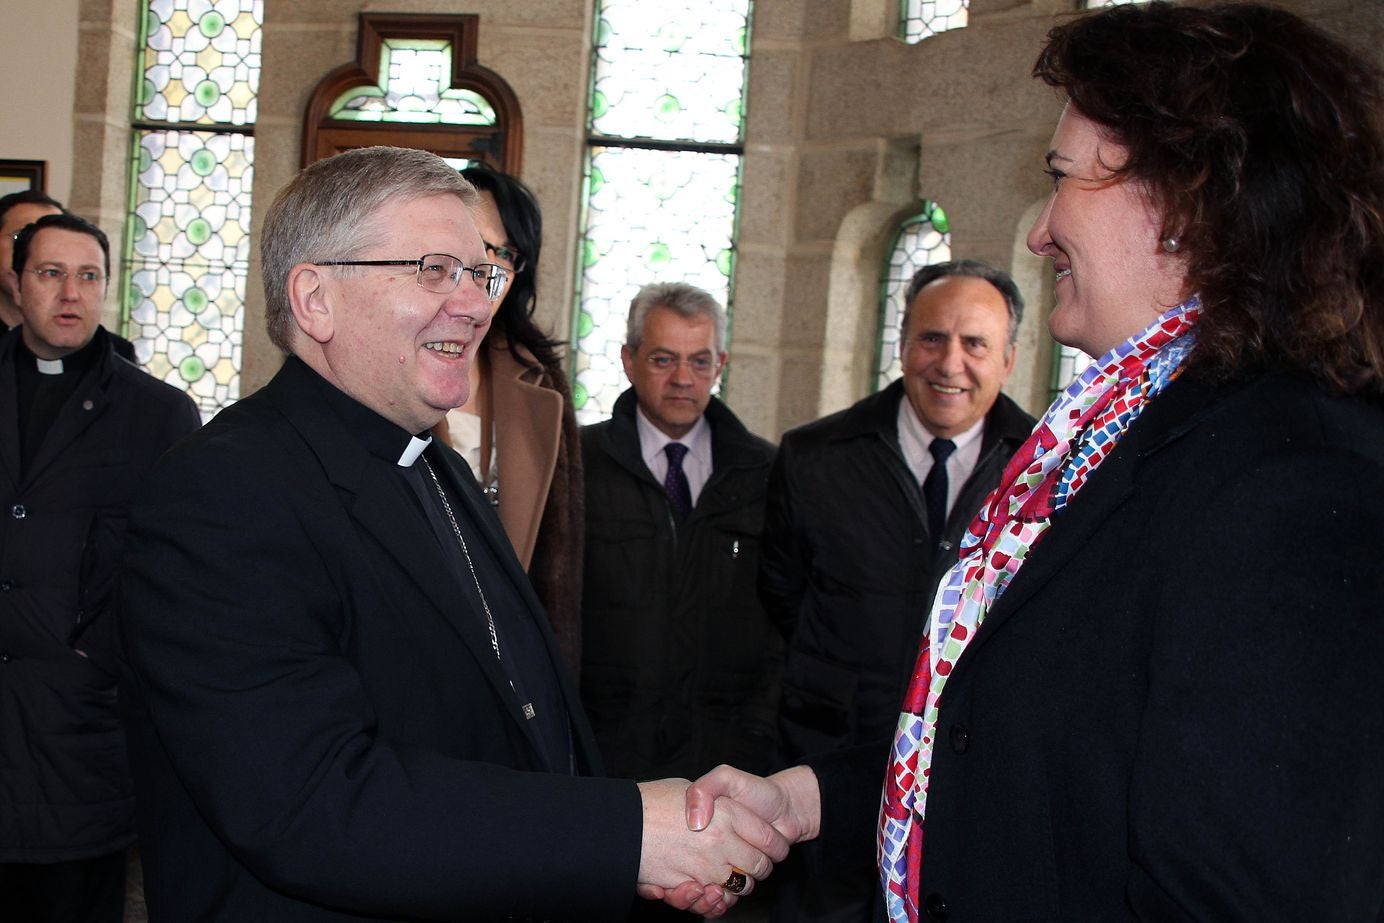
(416, 83)
(1067, 363)
(920, 241)
(920, 18)
(662, 174)
(187, 236)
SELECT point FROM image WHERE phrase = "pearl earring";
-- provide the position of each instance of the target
(1170, 244)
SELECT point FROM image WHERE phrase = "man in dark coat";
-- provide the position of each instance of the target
(80, 428)
(346, 703)
(680, 664)
(863, 522)
(17, 211)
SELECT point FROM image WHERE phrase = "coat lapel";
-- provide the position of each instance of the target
(384, 508)
(528, 431)
(1167, 417)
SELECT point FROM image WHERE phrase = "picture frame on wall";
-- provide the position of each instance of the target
(18, 175)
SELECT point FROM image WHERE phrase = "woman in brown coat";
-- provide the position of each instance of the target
(518, 429)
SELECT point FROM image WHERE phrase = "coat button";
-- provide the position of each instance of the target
(18, 511)
(960, 738)
(6, 585)
(936, 907)
(4, 656)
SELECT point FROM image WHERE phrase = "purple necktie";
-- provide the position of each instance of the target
(675, 481)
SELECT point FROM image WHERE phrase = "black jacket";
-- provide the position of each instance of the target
(64, 786)
(1174, 710)
(680, 665)
(319, 727)
(848, 569)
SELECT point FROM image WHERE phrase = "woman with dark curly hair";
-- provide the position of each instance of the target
(518, 429)
(1153, 684)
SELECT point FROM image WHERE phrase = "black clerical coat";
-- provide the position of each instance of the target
(319, 728)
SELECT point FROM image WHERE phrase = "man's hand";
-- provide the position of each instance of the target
(686, 867)
(790, 800)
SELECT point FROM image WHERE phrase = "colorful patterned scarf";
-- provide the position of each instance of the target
(1078, 432)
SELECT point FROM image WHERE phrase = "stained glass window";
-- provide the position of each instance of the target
(1068, 362)
(921, 241)
(187, 240)
(416, 76)
(920, 18)
(662, 170)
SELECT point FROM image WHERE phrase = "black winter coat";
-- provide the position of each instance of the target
(848, 569)
(1174, 710)
(65, 789)
(680, 664)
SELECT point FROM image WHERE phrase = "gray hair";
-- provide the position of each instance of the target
(976, 269)
(687, 300)
(327, 213)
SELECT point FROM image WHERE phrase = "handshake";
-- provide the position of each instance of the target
(706, 844)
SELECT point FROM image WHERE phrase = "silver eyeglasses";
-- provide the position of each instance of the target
(54, 276)
(701, 366)
(441, 272)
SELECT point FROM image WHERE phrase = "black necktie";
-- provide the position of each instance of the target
(675, 481)
(935, 488)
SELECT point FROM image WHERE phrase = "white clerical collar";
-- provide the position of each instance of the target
(414, 449)
(49, 366)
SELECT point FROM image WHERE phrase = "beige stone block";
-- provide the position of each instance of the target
(832, 182)
(547, 71)
(771, 100)
(277, 159)
(806, 282)
(783, 20)
(751, 391)
(765, 196)
(296, 59)
(986, 185)
(757, 313)
(800, 389)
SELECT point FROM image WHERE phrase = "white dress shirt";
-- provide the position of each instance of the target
(696, 464)
(914, 439)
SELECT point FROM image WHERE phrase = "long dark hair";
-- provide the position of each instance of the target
(1261, 140)
(523, 223)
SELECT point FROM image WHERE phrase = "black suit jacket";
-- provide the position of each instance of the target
(853, 601)
(319, 727)
(1176, 709)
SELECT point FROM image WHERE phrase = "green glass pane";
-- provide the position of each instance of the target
(658, 256)
(723, 262)
(939, 219)
(590, 256)
(597, 181)
(579, 396)
(211, 24)
(667, 107)
(199, 232)
(207, 93)
(203, 162)
(599, 105)
(192, 369)
(585, 324)
(195, 300)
